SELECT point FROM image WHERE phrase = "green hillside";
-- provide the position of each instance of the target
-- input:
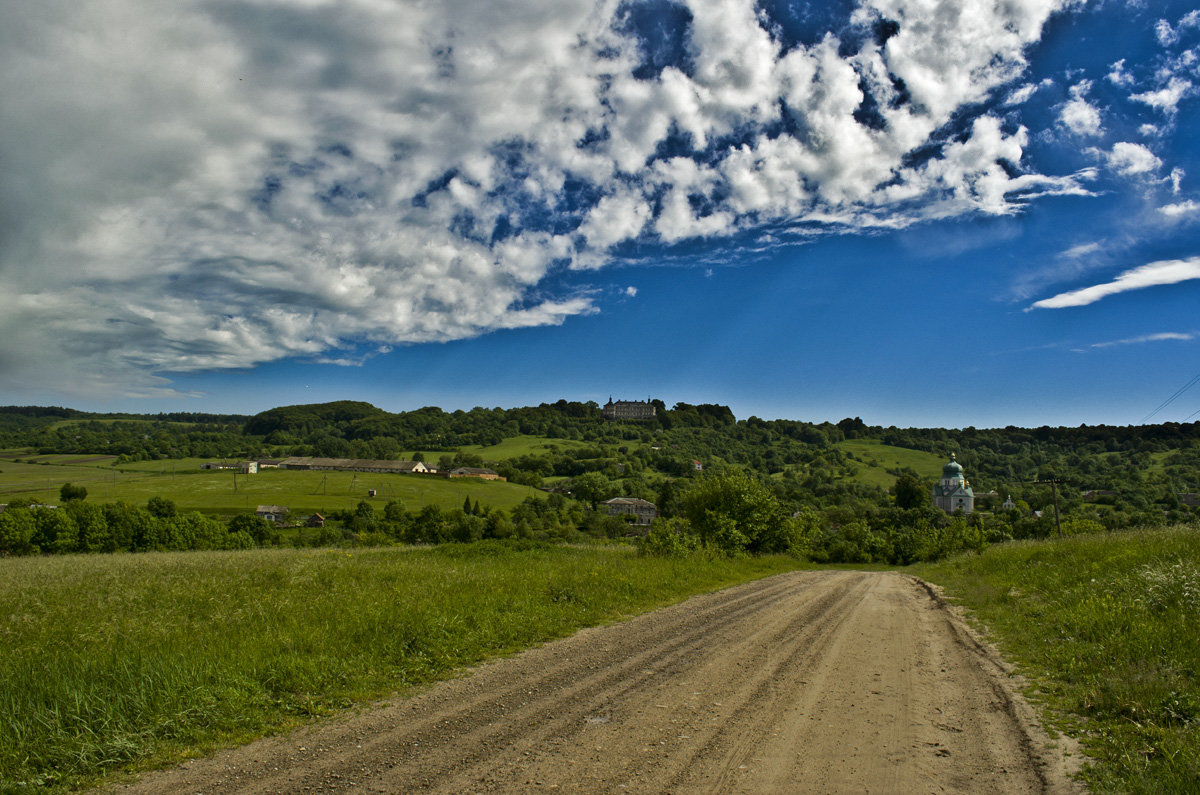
(518, 446)
(512, 447)
(874, 458)
(1116, 476)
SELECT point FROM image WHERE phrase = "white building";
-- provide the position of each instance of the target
(953, 492)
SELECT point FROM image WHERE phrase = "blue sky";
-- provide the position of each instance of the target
(920, 213)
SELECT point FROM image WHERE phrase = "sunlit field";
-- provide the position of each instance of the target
(224, 492)
(117, 661)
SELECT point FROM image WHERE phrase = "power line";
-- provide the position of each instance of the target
(1173, 397)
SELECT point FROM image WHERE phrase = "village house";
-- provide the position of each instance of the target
(642, 511)
(354, 465)
(272, 513)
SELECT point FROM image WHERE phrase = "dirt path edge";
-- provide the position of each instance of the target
(1059, 757)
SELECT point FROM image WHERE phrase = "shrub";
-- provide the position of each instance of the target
(669, 538)
(68, 493)
(16, 532)
(736, 513)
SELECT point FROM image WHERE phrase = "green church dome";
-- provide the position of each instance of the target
(952, 469)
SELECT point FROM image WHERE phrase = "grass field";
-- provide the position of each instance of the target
(1105, 627)
(875, 458)
(512, 447)
(42, 481)
(68, 459)
(121, 661)
(213, 491)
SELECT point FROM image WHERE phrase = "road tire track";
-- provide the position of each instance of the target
(802, 682)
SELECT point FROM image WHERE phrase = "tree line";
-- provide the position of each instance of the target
(1111, 477)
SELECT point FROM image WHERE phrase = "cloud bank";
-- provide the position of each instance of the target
(221, 183)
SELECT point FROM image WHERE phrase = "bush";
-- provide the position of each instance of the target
(1075, 526)
(260, 530)
(736, 513)
(669, 538)
(68, 493)
(16, 532)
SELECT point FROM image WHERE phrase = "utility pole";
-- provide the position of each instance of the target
(1054, 488)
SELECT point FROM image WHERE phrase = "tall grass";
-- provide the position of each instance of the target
(1108, 628)
(111, 661)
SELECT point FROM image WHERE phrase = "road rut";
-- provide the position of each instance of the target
(802, 682)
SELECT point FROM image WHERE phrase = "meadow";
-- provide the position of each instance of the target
(115, 662)
(875, 458)
(511, 447)
(1105, 629)
(221, 492)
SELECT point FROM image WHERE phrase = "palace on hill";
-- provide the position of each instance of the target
(627, 410)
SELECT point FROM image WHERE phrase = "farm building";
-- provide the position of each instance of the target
(353, 465)
(474, 472)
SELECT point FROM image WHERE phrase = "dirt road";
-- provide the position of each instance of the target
(803, 682)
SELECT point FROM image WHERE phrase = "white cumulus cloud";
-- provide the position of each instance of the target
(1078, 115)
(222, 183)
(1180, 209)
(1167, 98)
(1129, 159)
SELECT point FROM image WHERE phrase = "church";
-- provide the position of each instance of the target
(953, 492)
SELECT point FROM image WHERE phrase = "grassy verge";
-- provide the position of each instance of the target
(1106, 628)
(124, 661)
